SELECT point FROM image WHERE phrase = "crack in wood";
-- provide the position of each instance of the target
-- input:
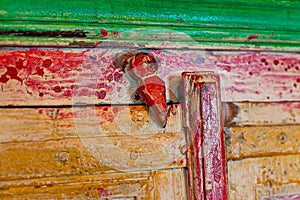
(30, 33)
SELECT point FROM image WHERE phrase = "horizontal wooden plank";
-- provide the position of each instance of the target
(264, 177)
(70, 76)
(67, 157)
(211, 24)
(43, 124)
(44, 142)
(258, 141)
(259, 113)
(141, 185)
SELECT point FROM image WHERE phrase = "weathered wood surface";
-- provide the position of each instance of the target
(48, 142)
(42, 124)
(211, 24)
(68, 157)
(60, 122)
(260, 141)
(140, 185)
(268, 113)
(256, 178)
(170, 184)
(51, 152)
(69, 76)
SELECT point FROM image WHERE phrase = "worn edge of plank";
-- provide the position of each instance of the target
(251, 141)
(264, 176)
(95, 186)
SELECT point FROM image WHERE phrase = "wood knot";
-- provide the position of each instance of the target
(63, 157)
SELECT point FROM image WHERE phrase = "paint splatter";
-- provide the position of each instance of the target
(33, 74)
(252, 36)
(103, 32)
(102, 192)
(53, 74)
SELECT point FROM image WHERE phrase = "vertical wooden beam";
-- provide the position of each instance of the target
(205, 138)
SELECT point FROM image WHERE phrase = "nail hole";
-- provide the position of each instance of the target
(282, 138)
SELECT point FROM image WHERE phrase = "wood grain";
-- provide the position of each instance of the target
(170, 185)
(88, 76)
(67, 157)
(47, 142)
(259, 141)
(269, 113)
(185, 24)
(255, 178)
(138, 185)
(39, 124)
(42, 124)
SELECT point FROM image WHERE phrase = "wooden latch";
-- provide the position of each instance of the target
(205, 137)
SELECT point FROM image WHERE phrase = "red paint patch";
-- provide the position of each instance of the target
(40, 71)
(12, 73)
(180, 162)
(252, 36)
(19, 64)
(57, 89)
(60, 65)
(103, 32)
(101, 94)
(3, 79)
(116, 34)
(47, 63)
(115, 109)
(102, 192)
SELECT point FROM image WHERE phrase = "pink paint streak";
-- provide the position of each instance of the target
(35, 74)
(102, 192)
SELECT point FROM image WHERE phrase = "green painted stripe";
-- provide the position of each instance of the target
(214, 22)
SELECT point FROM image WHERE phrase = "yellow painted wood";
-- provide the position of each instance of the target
(46, 142)
(171, 184)
(50, 144)
(259, 177)
(40, 124)
(268, 113)
(138, 185)
(258, 141)
(66, 157)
